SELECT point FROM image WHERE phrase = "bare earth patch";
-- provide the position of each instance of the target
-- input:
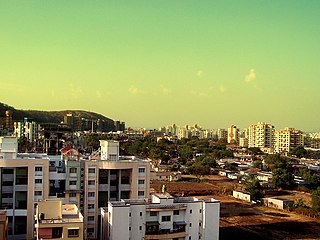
(241, 220)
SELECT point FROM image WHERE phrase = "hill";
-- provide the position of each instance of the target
(48, 116)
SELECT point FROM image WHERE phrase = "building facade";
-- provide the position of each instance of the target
(111, 177)
(24, 180)
(54, 220)
(288, 139)
(261, 135)
(164, 218)
(233, 134)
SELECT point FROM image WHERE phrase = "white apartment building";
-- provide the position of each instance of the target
(164, 218)
(288, 139)
(233, 134)
(183, 133)
(28, 129)
(111, 177)
(23, 181)
(261, 135)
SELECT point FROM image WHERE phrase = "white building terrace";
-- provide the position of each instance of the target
(165, 217)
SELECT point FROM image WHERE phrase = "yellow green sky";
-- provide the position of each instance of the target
(153, 63)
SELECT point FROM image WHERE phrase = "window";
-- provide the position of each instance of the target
(72, 170)
(90, 218)
(153, 214)
(72, 195)
(38, 169)
(140, 227)
(38, 193)
(200, 210)
(57, 232)
(129, 228)
(72, 182)
(91, 182)
(190, 224)
(190, 210)
(73, 232)
(142, 170)
(38, 181)
(141, 181)
(92, 170)
(90, 230)
(140, 193)
(189, 237)
(199, 224)
(140, 214)
(166, 218)
(175, 212)
(90, 206)
(91, 194)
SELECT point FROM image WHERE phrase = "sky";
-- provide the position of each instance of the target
(154, 63)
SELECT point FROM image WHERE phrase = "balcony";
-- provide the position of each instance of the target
(103, 187)
(38, 173)
(7, 189)
(158, 207)
(153, 231)
(73, 187)
(125, 187)
(91, 175)
(170, 235)
(73, 175)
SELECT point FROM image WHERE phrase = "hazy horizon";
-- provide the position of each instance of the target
(151, 64)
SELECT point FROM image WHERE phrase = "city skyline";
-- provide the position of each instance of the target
(153, 64)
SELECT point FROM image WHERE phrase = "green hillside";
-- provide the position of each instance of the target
(48, 116)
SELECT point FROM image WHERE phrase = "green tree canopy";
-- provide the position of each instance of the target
(253, 187)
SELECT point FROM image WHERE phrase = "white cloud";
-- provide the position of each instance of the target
(222, 88)
(200, 73)
(134, 90)
(165, 90)
(76, 92)
(199, 93)
(251, 76)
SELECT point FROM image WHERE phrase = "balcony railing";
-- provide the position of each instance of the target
(169, 235)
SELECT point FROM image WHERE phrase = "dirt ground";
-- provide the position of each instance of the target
(246, 221)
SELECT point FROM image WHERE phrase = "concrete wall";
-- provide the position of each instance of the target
(242, 196)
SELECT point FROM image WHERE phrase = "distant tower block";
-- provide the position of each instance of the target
(9, 122)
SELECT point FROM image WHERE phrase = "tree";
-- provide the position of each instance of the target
(255, 150)
(257, 164)
(253, 187)
(231, 166)
(282, 178)
(277, 161)
(91, 141)
(198, 169)
(316, 200)
(299, 152)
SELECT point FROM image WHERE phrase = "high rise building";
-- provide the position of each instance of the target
(9, 121)
(18, 191)
(233, 134)
(110, 177)
(222, 134)
(288, 139)
(261, 135)
(28, 128)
